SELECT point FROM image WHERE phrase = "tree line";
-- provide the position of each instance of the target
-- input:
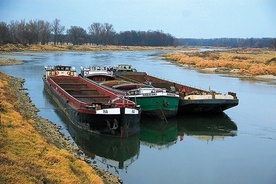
(230, 42)
(44, 32)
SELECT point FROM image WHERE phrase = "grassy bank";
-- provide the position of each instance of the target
(26, 155)
(69, 47)
(9, 61)
(240, 61)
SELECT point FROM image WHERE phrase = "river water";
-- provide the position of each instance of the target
(238, 146)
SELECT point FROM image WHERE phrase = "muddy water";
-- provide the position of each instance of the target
(238, 146)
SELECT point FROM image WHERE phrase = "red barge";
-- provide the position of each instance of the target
(90, 106)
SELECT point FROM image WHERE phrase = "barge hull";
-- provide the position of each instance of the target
(211, 105)
(117, 125)
(157, 106)
(205, 106)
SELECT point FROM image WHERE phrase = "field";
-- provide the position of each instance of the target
(240, 61)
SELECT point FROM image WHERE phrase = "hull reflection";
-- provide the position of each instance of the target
(161, 134)
(158, 133)
(206, 127)
(117, 153)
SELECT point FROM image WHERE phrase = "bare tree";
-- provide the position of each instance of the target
(45, 31)
(4, 33)
(272, 43)
(57, 29)
(32, 32)
(77, 35)
(95, 31)
(18, 32)
(108, 33)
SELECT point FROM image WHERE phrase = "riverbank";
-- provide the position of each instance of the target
(70, 47)
(32, 148)
(231, 73)
(259, 64)
(9, 61)
(250, 64)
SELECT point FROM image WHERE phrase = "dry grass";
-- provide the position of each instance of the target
(69, 47)
(9, 61)
(26, 157)
(248, 61)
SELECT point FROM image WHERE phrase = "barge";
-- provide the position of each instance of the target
(154, 102)
(97, 73)
(89, 106)
(191, 100)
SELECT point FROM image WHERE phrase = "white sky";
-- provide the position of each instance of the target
(180, 18)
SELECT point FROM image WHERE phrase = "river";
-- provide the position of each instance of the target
(238, 146)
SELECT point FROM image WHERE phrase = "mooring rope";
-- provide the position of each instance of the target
(162, 112)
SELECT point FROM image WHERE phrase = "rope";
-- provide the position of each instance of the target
(162, 112)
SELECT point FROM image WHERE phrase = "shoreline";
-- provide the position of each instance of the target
(52, 133)
(9, 61)
(253, 63)
(15, 49)
(234, 73)
(69, 47)
(229, 73)
(217, 70)
(49, 130)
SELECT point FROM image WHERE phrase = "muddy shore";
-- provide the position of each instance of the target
(49, 130)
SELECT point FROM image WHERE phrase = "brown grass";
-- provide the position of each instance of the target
(26, 157)
(70, 47)
(248, 61)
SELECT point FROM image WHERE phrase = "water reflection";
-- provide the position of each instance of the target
(206, 127)
(163, 134)
(113, 152)
(156, 133)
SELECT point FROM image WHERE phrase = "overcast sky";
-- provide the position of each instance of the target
(180, 18)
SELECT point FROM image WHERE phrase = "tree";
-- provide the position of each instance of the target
(272, 43)
(108, 33)
(149, 38)
(57, 29)
(39, 31)
(18, 32)
(45, 31)
(77, 35)
(4, 33)
(32, 32)
(95, 31)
